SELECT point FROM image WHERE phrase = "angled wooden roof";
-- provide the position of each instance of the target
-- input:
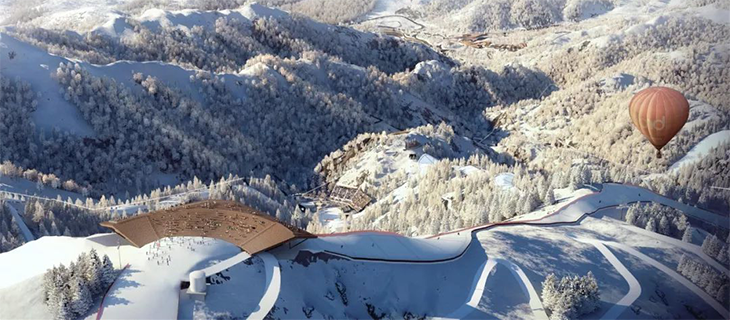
(236, 223)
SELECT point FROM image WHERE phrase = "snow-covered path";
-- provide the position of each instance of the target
(538, 310)
(634, 286)
(674, 275)
(21, 224)
(695, 249)
(273, 286)
(225, 264)
(480, 283)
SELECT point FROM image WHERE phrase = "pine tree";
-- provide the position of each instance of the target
(54, 229)
(631, 217)
(49, 284)
(93, 273)
(664, 227)
(42, 230)
(80, 296)
(687, 235)
(107, 271)
(722, 256)
(549, 291)
(61, 308)
(549, 196)
(723, 293)
(528, 203)
(651, 225)
(711, 246)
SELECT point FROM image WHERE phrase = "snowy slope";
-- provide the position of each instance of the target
(338, 264)
(701, 149)
(35, 66)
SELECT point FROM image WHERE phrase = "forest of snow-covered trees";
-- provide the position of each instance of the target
(56, 218)
(228, 44)
(491, 15)
(571, 296)
(297, 69)
(445, 198)
(715, 283)
(70, 291)
(281, 96)
(10, 236)
(660, 219)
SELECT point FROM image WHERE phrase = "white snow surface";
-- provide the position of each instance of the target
(149, 290)
(699, 151)
(31, 64)
(504, 180)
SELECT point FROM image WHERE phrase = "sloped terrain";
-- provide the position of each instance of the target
(490, 138)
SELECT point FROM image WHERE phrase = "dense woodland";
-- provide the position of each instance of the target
(70, 291)
(10, 235)
(553, 123)
(296, 69)
(491, 15)
(571, 296)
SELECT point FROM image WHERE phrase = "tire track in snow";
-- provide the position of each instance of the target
(634, 286)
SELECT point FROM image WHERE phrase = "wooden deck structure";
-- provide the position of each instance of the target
(236, 223)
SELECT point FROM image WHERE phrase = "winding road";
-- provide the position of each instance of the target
(634, 286)
(273, 285)
(674, 275)
(608, 196)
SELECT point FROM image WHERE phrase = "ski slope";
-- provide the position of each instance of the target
(699, 151)
(674, 275)
(468, 249)
(634, 286)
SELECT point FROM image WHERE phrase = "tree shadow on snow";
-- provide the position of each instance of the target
(540, 254)
(124, 281)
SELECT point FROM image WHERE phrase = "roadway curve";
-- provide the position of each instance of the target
(610, 195)
(634, 286)
(674, 275)
(273, 286)
(225, 264)
(477, 289)
(538, 310)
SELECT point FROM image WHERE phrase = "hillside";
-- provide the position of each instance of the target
(455, 159)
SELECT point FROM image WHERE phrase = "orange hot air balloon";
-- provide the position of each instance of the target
(659, 113)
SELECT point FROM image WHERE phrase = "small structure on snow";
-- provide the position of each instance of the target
(351, 197)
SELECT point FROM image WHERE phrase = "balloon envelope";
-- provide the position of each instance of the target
(659, 113)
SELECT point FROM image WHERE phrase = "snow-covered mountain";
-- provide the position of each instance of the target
(486, 147)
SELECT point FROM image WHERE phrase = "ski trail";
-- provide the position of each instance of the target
(21, 224)
(674, 275)
(480, 283)
(695, 249)
(634, 286)
(538, 311)
(273, 286)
